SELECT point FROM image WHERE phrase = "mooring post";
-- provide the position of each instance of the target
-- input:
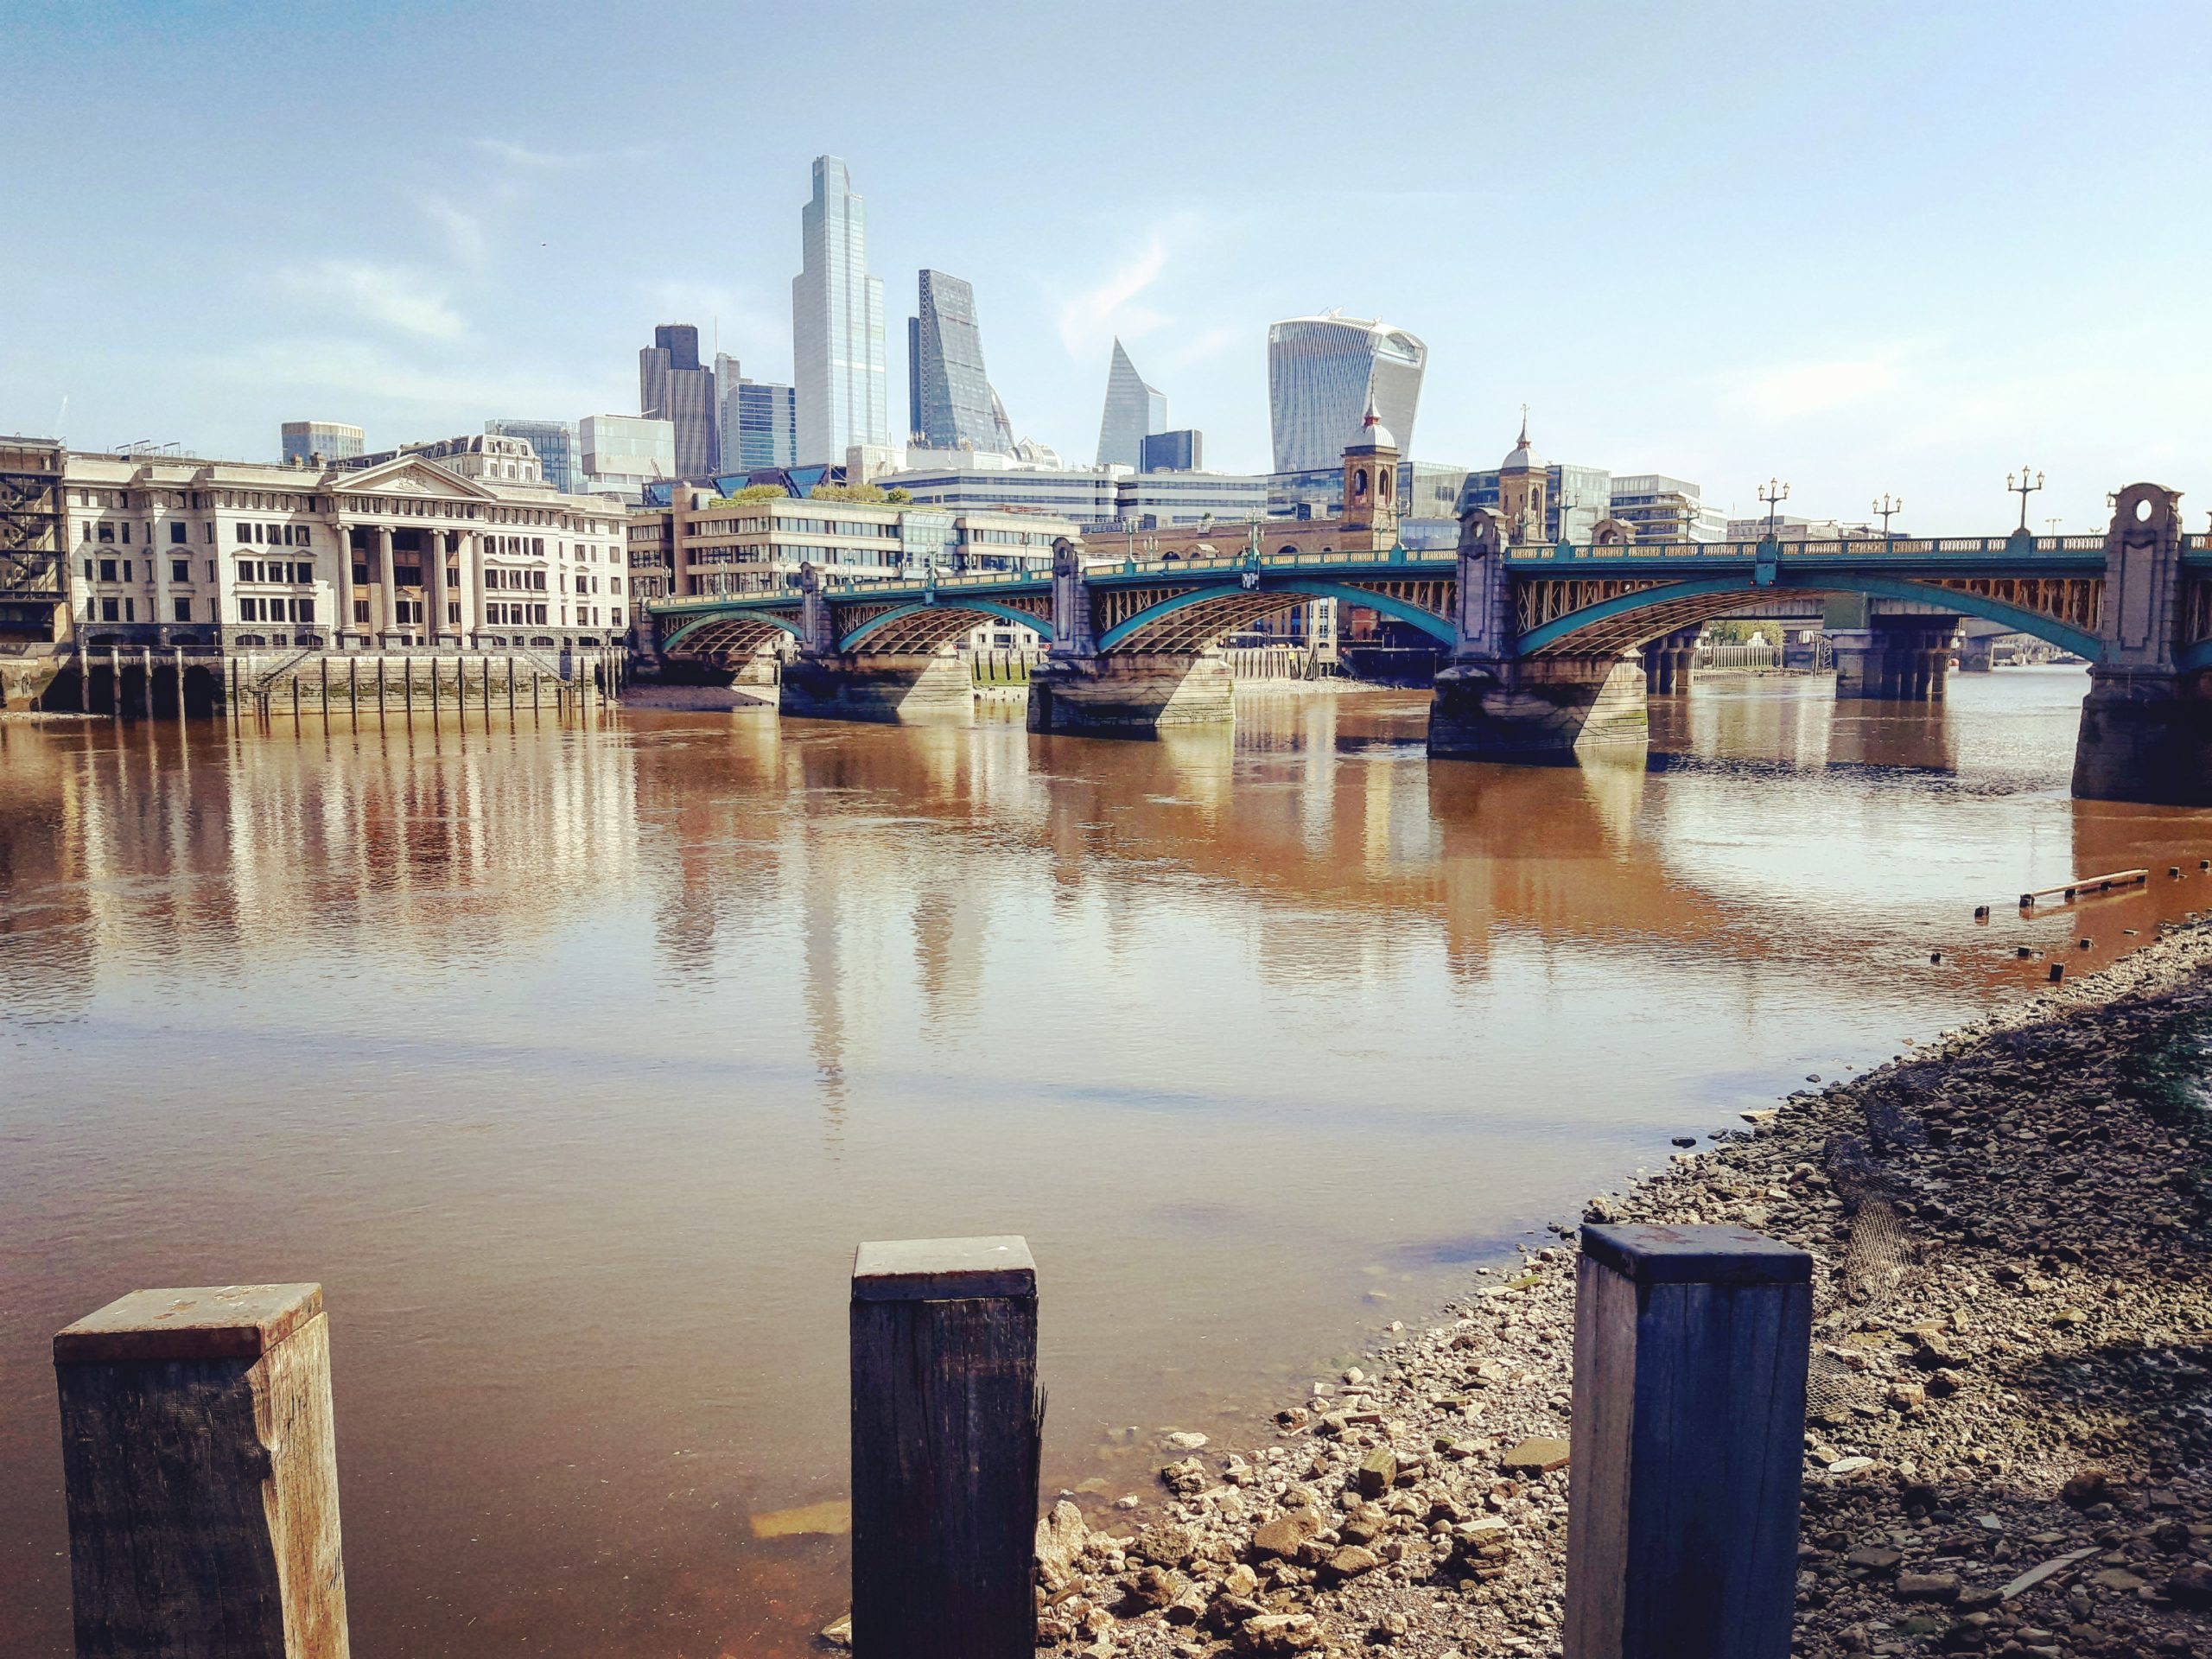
(1691, 1347)
(945, 1422)
(200, 1471)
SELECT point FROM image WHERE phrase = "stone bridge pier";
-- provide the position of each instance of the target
(1895, 658)
(2146, 724)
(826, 682)
(1077, 688)
(1670, 662)
(1492, 703)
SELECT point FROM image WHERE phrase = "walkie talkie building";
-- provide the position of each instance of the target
(1321, 370)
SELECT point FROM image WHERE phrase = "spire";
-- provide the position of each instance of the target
(1524, 426)
(1374, 417)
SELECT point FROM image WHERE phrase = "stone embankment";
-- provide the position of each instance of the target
(2011, 1408)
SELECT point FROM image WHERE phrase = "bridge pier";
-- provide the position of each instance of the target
(2146, 724)
(1977, 653)
(1670, 664)
(1131, 693)
(876, 686)
(1895, 658)
(1540, 710)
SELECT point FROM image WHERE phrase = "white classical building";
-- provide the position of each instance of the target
(171, 551)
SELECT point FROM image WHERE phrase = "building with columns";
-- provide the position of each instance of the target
(171, 551)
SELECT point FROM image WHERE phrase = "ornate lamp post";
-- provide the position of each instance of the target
(1888, 510)
(2020, 486)
(1774, 493)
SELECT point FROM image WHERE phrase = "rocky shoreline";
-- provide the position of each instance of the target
(2009, 1448)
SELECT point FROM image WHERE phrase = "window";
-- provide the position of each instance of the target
(245, 532)
(361, 612)
(211, 564)
(176, 532)
(110, 610)
(180, 571)
(127, 577)
(107, 532)
(303, 609)
(107, 569)
(182, 609)
(126, 534)
(360, 573)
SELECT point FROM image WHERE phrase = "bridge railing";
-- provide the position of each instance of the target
(1902, 547)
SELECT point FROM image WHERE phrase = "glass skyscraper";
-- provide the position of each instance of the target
(673, 386)
(332, 440)
(759, 420)
(1134, 412)
(836, 326)
(949, 397)
(1321, 372)
(555, 443)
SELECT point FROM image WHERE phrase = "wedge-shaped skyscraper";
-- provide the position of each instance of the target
(1134, 412)
(950, 399)
(1321, 373)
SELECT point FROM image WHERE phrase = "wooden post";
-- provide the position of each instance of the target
(200, 1469)
(176, 653)
(324, 663)
(434, 690)
(511, 687)
(354, 688)
(115, 682)
(1691, 1347)
(146, 685)
(407, 667)
(945, 1423)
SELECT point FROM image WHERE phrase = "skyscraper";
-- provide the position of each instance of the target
(757, 420)
(1134, 412)
(949, 396)
(1321, 373)
(836, 325)
(332, 440)
(673, 387)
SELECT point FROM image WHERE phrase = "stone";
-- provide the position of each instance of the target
(1281, 1537)
(2091, 1485)
(1875, 1558)
(1378, 1473)
(1850, 1465)
(838, 1632)
(1183, 1439)
(1352, 1560)
(1280, 1633)
(1538, 1455)
(2190, 1585)
(2116, 1578)
(1928, 1586)
(1060, 1538)
(1164, 1544)
(1186, 1479)
(1153, 1587)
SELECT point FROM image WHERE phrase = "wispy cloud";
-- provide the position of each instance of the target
(1090, 320)
(1211, 342)
(462, 230)
(355, 369)
(1783, 392)
(390, 296)
(520, 154)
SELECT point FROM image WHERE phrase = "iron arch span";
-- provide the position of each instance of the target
(734, 637)
(1195, 620)
(1632, 619)
(922, 627)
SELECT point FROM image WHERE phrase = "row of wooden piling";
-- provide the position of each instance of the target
(201, 1468)
(598, 680)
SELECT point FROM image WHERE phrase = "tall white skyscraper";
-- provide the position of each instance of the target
(1135, 411)
(837, 325)
(1323, 370)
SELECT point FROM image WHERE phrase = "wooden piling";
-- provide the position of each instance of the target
(1691, 1349)
(200, 1471)
(146, 686)
(325, 664)
(176, 654)
(2081, 885)
(946, 1420)
(407, 668)
(115, 682)
(2057, 972)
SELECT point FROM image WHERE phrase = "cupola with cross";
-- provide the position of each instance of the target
(1371, 477)
(1523, 486)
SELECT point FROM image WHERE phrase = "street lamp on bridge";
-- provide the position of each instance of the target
(1774, 493)
(1888, 509)
(2023, 489)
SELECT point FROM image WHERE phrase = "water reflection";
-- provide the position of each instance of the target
(574, 1060)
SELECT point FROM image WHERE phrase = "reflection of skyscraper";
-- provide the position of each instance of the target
(1321, 373)
(836, 325)
(673, 387)
(757, 420)
(1134, 412)
(950, 399)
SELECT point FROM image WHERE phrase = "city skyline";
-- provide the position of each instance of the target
(461, 281)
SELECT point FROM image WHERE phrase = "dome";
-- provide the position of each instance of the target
(1522, 458)
(1372, 433)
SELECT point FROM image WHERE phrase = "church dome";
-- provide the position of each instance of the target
(1522, 458)
(1372, 433)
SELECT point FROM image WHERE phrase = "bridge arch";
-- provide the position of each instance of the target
(921, 626)
(727, 633)
(1631, 619)
(1196, 619)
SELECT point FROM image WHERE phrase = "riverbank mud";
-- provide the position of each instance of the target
(2011, 1414)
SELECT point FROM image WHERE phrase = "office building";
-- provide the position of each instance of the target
(1182, 450)
(1789, 528)
(950, 404)
(1322, 373)
(332, 440)
(967, 481)
(34, 589)
(1134, 412)
(673, 386)
(836, 325)
(1164, 500)
(487, 456)
(757, 420)
(1663, 509)
(171, 551)
(554, 443)
(624, 453)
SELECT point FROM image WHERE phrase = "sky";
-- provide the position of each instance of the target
(1859, 248)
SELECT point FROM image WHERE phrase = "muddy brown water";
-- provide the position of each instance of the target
(573, 1060)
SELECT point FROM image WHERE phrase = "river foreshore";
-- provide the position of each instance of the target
(2007, 1446)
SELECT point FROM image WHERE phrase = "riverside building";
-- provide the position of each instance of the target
(401, 550)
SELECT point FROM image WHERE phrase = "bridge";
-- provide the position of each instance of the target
(1550, 649)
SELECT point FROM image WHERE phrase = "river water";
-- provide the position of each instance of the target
(574, 1060)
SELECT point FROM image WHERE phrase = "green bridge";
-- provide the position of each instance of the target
(1545, 650)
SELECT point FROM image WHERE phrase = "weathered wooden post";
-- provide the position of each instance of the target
(1691, 1345)
(201, 1468)
(945, 1421)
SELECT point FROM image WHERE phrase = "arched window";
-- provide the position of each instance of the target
(1383, 481)
(1359, 481)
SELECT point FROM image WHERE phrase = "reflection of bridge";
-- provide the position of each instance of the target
(1544, 641)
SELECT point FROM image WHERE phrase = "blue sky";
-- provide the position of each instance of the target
(1865, 247)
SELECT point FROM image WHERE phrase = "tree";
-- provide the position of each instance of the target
(755, 493)
(898, 498)
(847, 493)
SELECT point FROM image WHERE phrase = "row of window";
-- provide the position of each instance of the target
(274, 535)
(297, 571)
(512, 615)
(503, 581)
(274, 610)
